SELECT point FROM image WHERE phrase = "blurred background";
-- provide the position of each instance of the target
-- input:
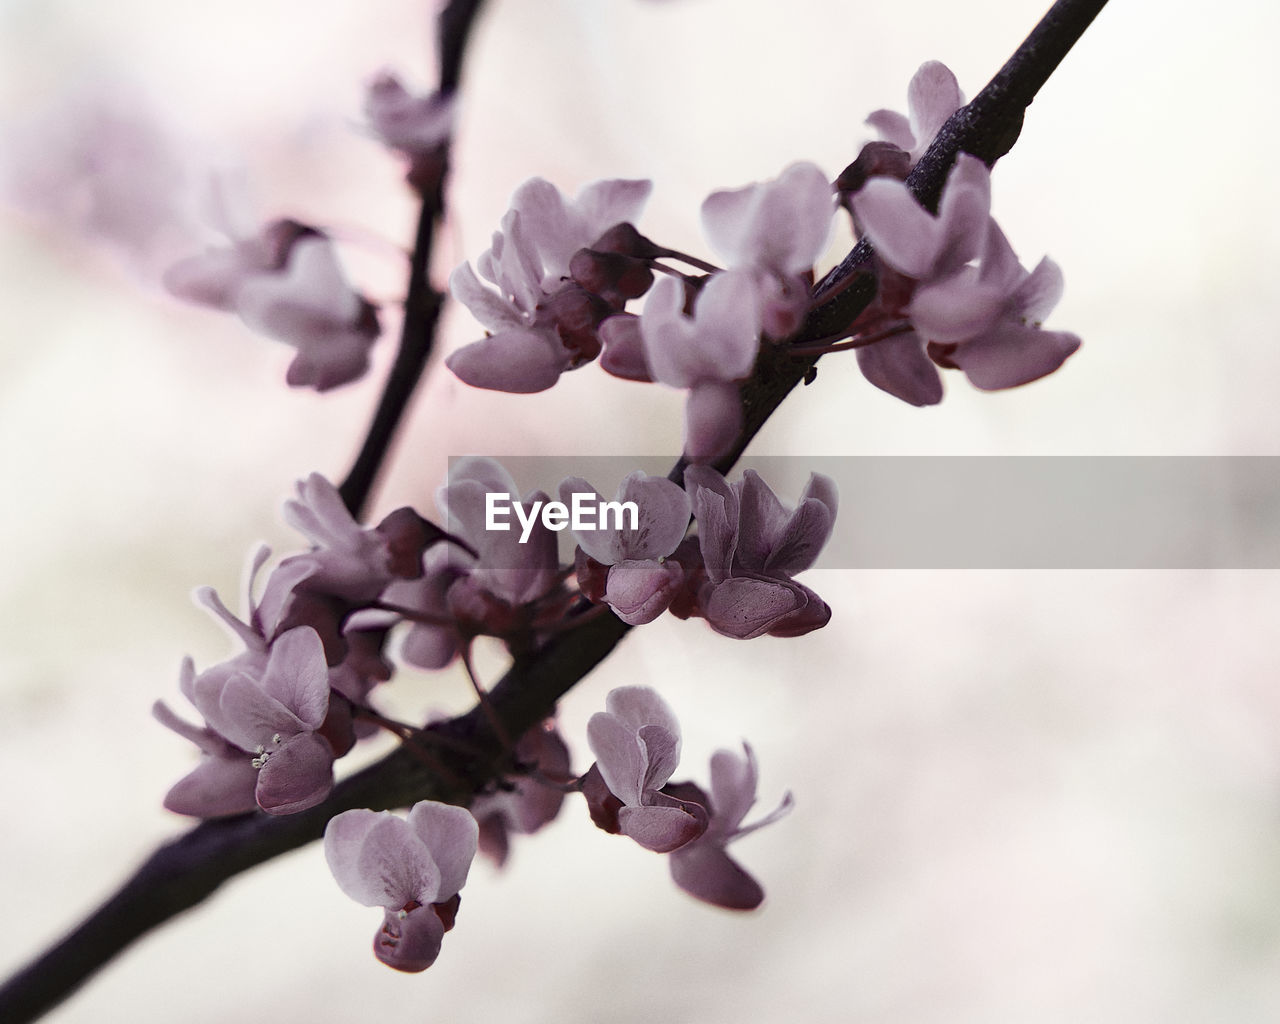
(1020, 795)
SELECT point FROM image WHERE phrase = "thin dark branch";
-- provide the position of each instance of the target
(422, 303)
(188, 869)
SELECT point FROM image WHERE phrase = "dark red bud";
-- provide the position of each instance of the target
(625, 240)
(408, 535)
(877, 160)
(592, 576)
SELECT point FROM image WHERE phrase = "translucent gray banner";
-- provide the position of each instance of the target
(980, 512)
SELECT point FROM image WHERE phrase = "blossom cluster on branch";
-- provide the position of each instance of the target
(553, 290)
(559, 274)
(316, 642)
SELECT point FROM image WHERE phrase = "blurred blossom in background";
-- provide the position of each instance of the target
(1020, 796)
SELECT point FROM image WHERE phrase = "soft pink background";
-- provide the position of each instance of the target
(1020, 796)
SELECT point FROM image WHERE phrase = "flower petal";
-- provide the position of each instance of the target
(1039, 293)
(298, 774)
(494, 312)
(746, 608)
(905, 234)
(298, 677)
(624, 348)
(712, 420)
(932, 97)
(704, 870)
(901, 367)
(660, 829)
(1013, 353)
(620, 757)
(451, 836)
(216, 787)
(638, 706)
(518, 360)
(377, 860)
(640, 591)
(956, 308)
(409, 941)
(893, 127)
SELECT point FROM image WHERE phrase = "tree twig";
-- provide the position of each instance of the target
(422, 302)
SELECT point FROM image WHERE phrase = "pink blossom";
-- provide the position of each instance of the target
(412, 867)
(702, 867)
(286, 283)
(932, 97)
(752, 546)
(636, 740)
(986, 321)
(430, 644)
(276, 714)
(983, 319)
(641, 579)
(540, 326)
(412, 125)
(349, 566)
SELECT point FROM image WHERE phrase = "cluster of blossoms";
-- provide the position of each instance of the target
(553, 288)
(414, 867)
(314, 644)
(560, 272)
(553, 291)
(969, 304)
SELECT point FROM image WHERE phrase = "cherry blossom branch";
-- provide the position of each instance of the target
(185, 871)
(423, 303)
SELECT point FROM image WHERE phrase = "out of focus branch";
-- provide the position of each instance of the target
(422, 302)
(183, 872)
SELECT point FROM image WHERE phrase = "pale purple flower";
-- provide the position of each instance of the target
(705, 353)
(348, 560)
(774, 231)
(412, 867)
(286, 283)
(636, 740)
(932, 97)
(515, 573)
(539, 326)
(920, 246)
(987, 320)
(641, 579)
(702, 867)
(983, 319)
(752, 546)
(276, 714)
(522, 804)
(412, 125)
(912, 240)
